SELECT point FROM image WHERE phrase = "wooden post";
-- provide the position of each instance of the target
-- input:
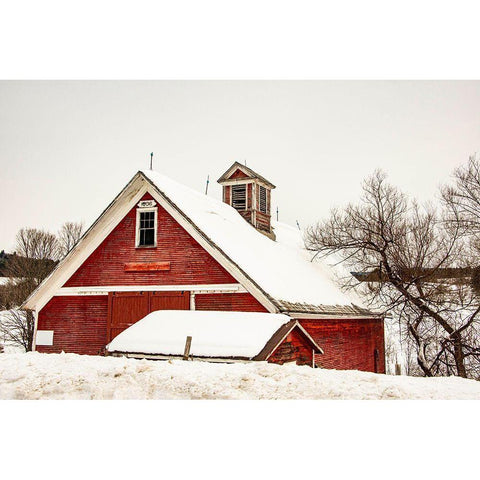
(398, 369)
(188, 344)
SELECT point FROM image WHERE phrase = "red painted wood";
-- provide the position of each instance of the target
(189, 262)
(126, 309)
(237, 302)
(79, 324)
(238, 174)
(226, 194)
(295, 348)
(147, 267)
(169, 301)
(349, 344)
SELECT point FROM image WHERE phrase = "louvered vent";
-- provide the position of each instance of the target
(263, 199)
(239, 197)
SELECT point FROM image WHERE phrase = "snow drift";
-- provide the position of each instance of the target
(71, 376)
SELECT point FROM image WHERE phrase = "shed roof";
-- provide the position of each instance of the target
(215, 334)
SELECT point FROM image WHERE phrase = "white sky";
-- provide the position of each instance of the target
(68, 147)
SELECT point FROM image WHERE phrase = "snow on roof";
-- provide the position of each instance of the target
(282, 268)
(214, 333)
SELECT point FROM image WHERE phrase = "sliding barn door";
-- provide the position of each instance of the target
(127, 308)
(169, 301)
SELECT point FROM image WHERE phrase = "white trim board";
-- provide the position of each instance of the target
(331, 316)
(195, 289)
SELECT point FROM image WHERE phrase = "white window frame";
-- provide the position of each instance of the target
(155, 226)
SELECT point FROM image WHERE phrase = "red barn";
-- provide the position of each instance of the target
(163, 246)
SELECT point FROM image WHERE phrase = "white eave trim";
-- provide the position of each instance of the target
(333, 316)
(236, 181)
(94, 236)
(195, 289)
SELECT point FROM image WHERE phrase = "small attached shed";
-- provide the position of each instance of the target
(217, 336)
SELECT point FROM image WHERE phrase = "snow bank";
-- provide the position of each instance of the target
(282, 268)
(70, 376)
(214, 334)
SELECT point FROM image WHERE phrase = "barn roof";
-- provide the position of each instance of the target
(215, 334)
(279, 273)
(282, 268)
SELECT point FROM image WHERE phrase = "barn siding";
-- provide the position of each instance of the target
(348, 344)
(240, 302)
(238, 174)
(294, 348)
(189, 262)
(79, 324)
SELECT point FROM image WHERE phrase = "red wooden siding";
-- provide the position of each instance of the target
(127, 308)
(349, 344)
(79, 324)
(189, 262)
(169, 301)
(240, 302)
(238, 174)
(294, 348)
(226, 194)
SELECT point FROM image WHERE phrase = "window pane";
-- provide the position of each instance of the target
(149, 236)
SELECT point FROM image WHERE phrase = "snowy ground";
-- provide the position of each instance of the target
(70, 376)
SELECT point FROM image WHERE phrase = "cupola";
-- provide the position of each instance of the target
(250, 194)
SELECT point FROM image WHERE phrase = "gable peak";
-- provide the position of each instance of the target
(239, 171)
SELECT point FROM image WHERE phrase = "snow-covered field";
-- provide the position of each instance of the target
(70, 376)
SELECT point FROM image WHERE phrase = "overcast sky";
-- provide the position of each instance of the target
(68, 147)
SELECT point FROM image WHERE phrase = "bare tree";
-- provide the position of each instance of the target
(17, 328)
(406, 245)
(68, 236)
(36, 255)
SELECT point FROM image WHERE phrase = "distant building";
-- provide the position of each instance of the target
(163, 246)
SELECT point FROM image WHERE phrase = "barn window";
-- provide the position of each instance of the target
(263, 199)
(146, 227)
(239, 197)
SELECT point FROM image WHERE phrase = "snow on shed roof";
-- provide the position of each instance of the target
(282, 268)
(214, 334)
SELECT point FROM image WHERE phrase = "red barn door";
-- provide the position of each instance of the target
(169, 301)
(127, 308)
